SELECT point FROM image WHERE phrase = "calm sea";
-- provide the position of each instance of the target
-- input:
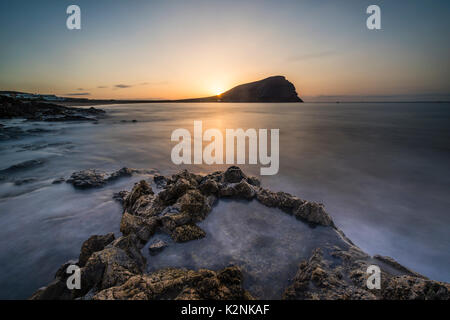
(382, 171)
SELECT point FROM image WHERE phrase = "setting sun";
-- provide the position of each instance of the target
(217, 90)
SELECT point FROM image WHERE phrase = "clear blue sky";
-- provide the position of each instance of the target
(191, 48)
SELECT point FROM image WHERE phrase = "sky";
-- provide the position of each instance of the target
(173, 49)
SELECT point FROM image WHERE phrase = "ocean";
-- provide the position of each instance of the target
(381, 170)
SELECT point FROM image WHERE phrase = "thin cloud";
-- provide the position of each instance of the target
(102, 87)
(122, 86)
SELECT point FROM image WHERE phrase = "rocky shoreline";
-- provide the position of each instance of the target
(11, 108)
(116, 268)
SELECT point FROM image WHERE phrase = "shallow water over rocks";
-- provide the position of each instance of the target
(266, 243)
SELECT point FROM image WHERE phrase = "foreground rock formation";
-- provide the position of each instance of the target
(115, 268)
(43, 111)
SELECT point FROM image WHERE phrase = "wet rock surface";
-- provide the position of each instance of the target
(92, 178)
(180, 284)
(116, 268)
(333, 273)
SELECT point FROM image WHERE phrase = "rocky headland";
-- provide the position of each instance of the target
(115, 268)
(272, 89)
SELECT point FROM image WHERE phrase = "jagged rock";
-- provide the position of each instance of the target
(171, 221)
(340, 274)
(267, 198)
(92, 178)
(288, 203)
(156, 247)
(110, 267)
(241, 190)
(89, 178)
(193, 179)
(94, 244)
(233, 175)
(194, 204)
(132, 245)
(216, 176)
(314, 213)
(121, 196)
(143, 227)
(124, 172)
(415, 288)
(320, 279)
(187, 232)
(209, 187)
(175, 190)
(139, 190)
(160, 181)
(180, 284)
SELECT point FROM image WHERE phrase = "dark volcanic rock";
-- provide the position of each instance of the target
(92, 178)
(94, 244)
(180, 284)
(89, 178)
(187, 232)
(272, 89)
(121, 196)
(233, 174)
(42, 111)
(341, 274)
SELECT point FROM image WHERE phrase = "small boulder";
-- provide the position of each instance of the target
(313, 213)
(89, 178)
(187, 232)
(233, 175)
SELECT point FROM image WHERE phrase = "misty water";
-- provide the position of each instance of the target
(380, 169)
